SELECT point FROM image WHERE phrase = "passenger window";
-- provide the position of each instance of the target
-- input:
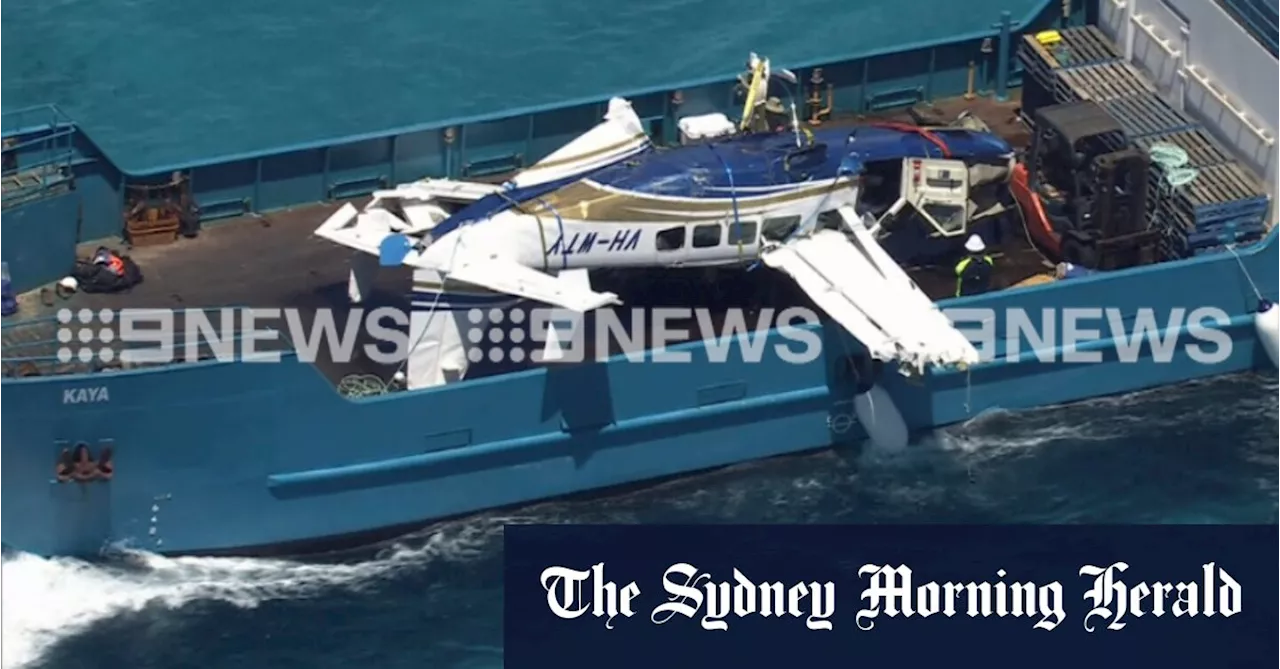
(778, 229)
(706, 236)
(742, 232)
(671, 239)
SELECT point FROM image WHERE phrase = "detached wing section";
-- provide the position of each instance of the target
(504, 276)
(819, 277)
(570, 290)
(855, 281)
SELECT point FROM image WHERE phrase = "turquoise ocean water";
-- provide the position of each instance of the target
(157, 82)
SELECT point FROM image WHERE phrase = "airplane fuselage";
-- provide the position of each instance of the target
(708, 204)
(704, 238)
(609, 199)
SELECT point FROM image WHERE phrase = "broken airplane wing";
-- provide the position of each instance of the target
(860, 287)
(505, 276)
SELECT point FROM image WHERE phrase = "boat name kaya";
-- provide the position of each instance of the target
(87, 395)
(890, 591)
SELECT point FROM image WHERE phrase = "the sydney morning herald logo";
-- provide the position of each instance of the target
(383, 335)
(716, 602)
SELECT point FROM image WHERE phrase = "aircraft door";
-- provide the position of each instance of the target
(939, 190)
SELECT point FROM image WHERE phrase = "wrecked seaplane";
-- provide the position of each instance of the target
(764, 190)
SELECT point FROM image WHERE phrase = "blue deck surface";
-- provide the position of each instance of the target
(321, 72)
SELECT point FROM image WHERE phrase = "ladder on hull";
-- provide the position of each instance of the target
(854, 280)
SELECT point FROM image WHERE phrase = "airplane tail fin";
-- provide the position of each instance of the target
(619, 136)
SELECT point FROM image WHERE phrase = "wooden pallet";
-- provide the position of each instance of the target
(1202, 150)
(1221, 231)
(153, 232)
(1146, 114)
(1173, 249)
(1076, 47)
(22, 180)
(1224, 191)
(1100, 83)
(1221, 193)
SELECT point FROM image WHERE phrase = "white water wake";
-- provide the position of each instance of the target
(47, 600)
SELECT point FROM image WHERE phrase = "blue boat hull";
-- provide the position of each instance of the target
(239, 457)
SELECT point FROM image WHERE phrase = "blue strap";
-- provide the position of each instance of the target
(733, 192)
(564, 254)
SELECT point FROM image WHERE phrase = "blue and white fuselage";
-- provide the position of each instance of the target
(621, 215)
(609, 199)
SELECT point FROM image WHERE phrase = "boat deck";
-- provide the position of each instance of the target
(273, 260)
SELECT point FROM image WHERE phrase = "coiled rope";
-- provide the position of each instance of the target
(1173, 160)
(361, 385)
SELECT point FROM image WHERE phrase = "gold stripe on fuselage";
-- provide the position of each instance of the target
(588, 201)
(595, 153)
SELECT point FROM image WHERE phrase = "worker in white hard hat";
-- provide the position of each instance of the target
(973, 272)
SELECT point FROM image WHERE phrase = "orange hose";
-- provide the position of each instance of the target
(1033, 213)
(923, 132)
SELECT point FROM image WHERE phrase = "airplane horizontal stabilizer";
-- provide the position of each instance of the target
(345, 227)
(374, 231)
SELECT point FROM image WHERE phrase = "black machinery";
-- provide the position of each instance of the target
(1093, 185)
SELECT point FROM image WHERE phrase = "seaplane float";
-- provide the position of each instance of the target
(765, 190)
